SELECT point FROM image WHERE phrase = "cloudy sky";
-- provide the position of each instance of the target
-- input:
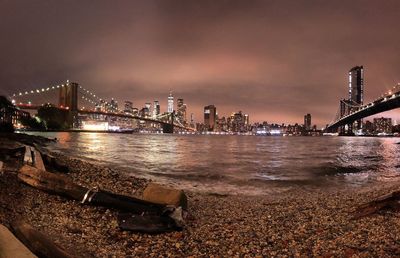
(276, 60)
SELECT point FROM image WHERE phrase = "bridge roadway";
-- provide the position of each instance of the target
(132, 117)
(35, 107)
(380, 105)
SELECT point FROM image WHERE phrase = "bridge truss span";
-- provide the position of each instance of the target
(382, 104)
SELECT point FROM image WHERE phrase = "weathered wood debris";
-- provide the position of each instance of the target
(154, 215)
(11, 247)
(160, 210)
(62, 185)
(389, 201)
(37, 242)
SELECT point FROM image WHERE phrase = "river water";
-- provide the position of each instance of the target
(240, 164)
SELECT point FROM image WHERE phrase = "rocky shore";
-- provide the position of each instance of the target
(299, 223)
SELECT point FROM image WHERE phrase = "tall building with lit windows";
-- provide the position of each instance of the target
(307, 122)
(181, 110)
(147, 109)
(156, 108)
(356, 91)
(356, 85)
(128, 108)
(170, 108)
(210, 116)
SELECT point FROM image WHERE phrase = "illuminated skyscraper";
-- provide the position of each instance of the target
(128, 109)
(307, 122)
(156, 108)
(356, 90)
(179, 103)
(170, 103)
(237, 122)
(246, 119)
(147, 108)
(356, 85)
(181, 111)
(210, 115)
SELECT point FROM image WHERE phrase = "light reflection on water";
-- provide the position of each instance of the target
(240, 163)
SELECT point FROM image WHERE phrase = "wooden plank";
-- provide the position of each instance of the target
(11, 247)
(1, 168)
(37, 242)
(28, 155)
(38, 161)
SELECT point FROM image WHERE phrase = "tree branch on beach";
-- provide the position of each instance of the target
(389, 201)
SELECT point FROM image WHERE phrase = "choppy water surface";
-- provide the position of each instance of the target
(241, 164)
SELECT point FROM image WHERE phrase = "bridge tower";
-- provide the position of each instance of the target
(68, 98)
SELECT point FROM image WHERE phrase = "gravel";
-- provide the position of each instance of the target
(299, 223)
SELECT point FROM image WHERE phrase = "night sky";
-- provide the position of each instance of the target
(275, 60)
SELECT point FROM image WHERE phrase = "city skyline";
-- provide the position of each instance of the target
(234, 54)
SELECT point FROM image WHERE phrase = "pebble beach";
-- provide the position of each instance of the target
(297, 223)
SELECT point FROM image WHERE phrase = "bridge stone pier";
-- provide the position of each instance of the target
(68, 98)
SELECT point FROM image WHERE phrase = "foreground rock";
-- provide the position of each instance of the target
(163, 195)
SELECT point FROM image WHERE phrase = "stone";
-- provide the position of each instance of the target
(163, 195)
(11, 247)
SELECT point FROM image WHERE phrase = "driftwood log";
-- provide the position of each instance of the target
(51, 161)
(61, 185)
(386, 202)
(37, 242)
(151, 224)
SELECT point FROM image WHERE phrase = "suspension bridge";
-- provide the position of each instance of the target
(349, 112)
(70, 93)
